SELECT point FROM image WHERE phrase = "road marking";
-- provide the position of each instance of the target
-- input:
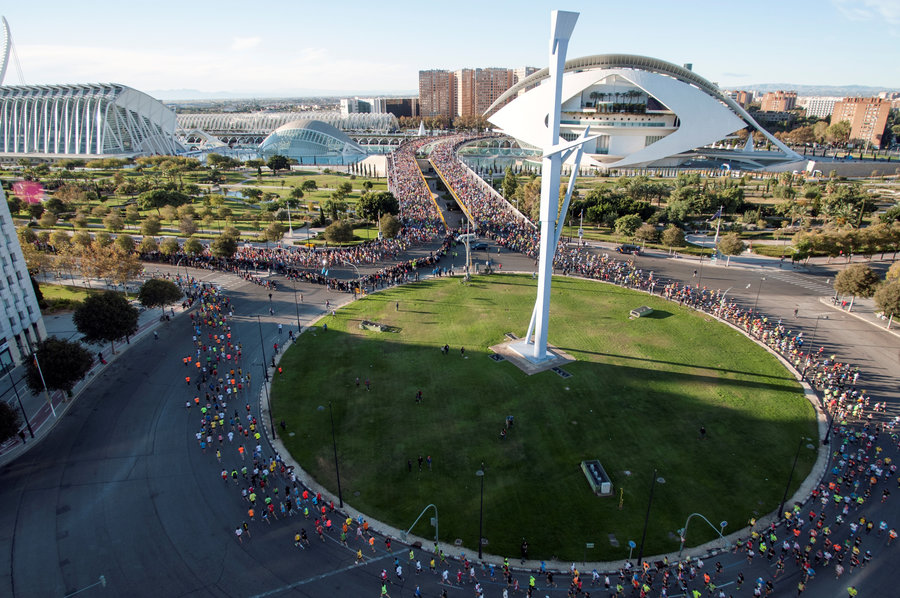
(302, 582)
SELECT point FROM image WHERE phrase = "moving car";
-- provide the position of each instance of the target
(635, 249)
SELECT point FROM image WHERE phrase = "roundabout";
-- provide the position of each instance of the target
(715, 415)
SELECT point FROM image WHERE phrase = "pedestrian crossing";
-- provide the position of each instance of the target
(802, 281)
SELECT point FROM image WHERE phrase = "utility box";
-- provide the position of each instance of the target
(597, 478)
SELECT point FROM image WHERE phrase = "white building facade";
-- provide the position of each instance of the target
(21, 325)
(647, 112)
(818, 106)
(92, 120)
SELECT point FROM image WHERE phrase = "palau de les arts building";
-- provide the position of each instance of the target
(648, 113)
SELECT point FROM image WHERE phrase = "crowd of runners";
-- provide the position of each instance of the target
(831, 533)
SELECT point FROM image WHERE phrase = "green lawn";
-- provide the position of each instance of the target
(638, 394)
(60, 297)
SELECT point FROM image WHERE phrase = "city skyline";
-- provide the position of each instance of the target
(349, 49)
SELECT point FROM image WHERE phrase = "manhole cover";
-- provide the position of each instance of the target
(613, 541)
(497, 357)
(457, 542)
(660, 480)
(320, 408)
(561, 373)
(356, 493)
(291, 434)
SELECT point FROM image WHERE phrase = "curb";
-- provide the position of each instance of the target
(827, 302)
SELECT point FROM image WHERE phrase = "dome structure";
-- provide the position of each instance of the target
(311, 142)
(647, 112)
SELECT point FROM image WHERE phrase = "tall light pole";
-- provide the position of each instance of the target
(296, 305)
(262, 345)
(480, 474)
(790, 478)
(337, 470)
(646, 521)
(758, 289)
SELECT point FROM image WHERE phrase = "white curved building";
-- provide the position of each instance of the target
(90, 120)
(647, 112)
(311, 142)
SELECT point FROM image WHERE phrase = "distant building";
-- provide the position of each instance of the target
(402, 106)
(362, 106)
(771, 117)
(818, 106)
(311, 142)
(21, 325)
(778, 101)
(743, 98)
(436, 93)
(867, 118)
(465, 92)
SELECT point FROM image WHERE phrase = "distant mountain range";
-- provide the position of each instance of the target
(818, 90)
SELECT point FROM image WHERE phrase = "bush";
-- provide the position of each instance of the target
(339, 232)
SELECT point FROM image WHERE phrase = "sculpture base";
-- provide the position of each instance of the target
(521, 354)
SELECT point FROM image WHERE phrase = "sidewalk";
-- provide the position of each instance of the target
(40, 413)
(865, 310)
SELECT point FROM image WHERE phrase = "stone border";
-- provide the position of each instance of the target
(703, 551)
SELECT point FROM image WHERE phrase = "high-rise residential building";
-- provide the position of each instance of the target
(21, 325)
(818, 106)
(489, 85)
(436, 93)
(744, 98)
(402, 106)
(778, 101)
(465, 92)
(867, 118)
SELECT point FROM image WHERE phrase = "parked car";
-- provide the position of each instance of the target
(635, 249)
(479, 247)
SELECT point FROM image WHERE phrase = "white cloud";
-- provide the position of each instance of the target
(868, 10)
(244, 43)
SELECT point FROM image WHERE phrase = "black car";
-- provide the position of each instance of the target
(635, 249)
(479, 247)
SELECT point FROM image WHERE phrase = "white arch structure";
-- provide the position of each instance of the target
(5, 49)
(683, 111)
(220, 123)
(104, 119)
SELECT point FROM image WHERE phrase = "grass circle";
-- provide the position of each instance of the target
(639, 392)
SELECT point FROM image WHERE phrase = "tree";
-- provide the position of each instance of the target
(857, 280)
(114, 222)
(510, 184)
(345, 188)
(628, 224)
(187, 226)
(339, 232)
(169, 246)
(893, 272)
(60, 239)
(148, 245)
(224, 246)
(838, 133)
(157, 198)
(125, 243)
(63, 364)
(10, 421)
(278, 162)
(309, 185)
(887, 298)
(48, 220)
(193, 246)
(158, 292)
(730, 245)
(274, 232)
(105, 317)
(151, 225)
(673, 236)
(389, 226)
(372, 206)
(35, 210)
(367, 185)
(647, 232)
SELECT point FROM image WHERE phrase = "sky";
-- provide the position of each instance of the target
(347, 47)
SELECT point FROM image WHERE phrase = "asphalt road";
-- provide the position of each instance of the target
(119, 488)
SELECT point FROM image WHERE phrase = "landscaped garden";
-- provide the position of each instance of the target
(639, 392)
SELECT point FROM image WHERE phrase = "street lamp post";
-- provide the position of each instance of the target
(480, 474)
(296, 305)
(759, 288)
(262, 345)
(337, 470)
(18, 398)
(646, 521)
(790, 478)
